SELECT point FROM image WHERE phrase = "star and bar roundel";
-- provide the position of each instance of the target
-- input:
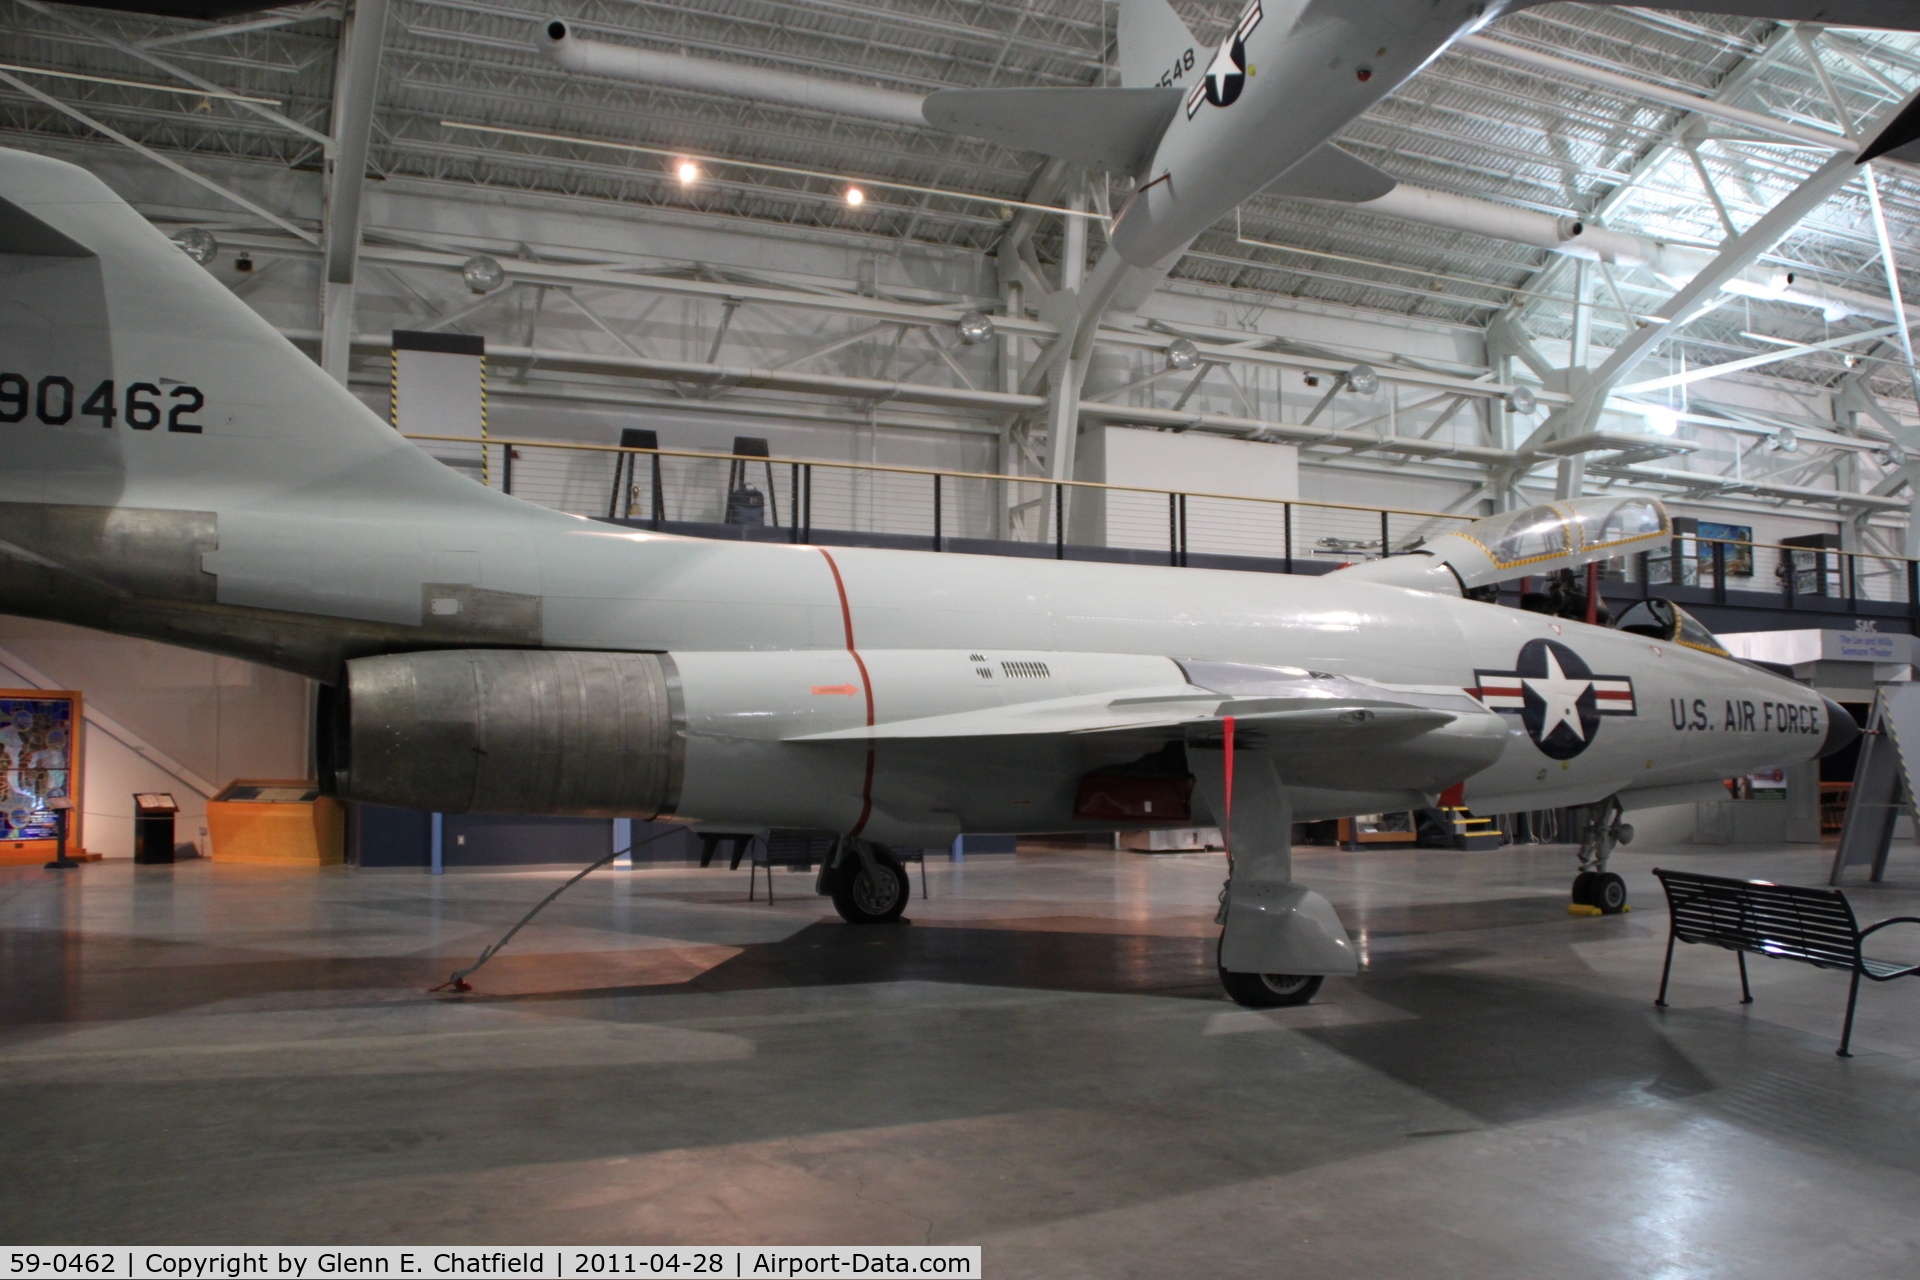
(1226, 75)
(1559, 698)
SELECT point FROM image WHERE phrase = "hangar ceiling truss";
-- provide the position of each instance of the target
(1565, 110)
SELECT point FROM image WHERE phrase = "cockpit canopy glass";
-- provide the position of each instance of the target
(1664, 620)
(1630, 521)
(1536, 533)
(1552, 530)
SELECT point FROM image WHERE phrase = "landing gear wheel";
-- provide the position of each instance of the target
(1583, 889)
(872, 895)
(1270, 990)
(1608, 892)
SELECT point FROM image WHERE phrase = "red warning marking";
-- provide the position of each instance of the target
(846, 617)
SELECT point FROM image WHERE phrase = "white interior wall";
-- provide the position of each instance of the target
(1192, 464)
(220, 718)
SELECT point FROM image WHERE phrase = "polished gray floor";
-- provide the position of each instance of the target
(1040, 1064)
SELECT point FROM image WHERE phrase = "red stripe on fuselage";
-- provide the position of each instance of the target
(846, 619)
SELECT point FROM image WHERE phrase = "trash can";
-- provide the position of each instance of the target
(153, 814)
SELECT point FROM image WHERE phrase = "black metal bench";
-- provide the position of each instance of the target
(1787, 922)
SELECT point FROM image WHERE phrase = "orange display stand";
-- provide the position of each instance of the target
(275, 822)
(37, 853)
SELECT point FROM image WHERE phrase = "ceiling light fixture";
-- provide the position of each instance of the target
(198, 243)
(974, 328)
(999, 202)
(687, 172)
(856, 197)
(483, 274)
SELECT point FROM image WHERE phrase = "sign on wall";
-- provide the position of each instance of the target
(40, 760)
(1739, 542)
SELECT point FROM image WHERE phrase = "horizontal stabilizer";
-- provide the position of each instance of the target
(1113, 130)
(1328, 173)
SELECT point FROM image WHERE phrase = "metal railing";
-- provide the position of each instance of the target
(801, 500)
(1800, 576)
(938, 510)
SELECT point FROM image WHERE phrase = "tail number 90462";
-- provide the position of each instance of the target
(142, 406)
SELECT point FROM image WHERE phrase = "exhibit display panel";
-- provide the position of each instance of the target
(40, 753)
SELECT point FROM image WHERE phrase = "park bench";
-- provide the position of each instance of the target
(1787, 922)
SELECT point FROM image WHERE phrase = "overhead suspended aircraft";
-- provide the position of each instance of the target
(176, 470)
(1197, 131)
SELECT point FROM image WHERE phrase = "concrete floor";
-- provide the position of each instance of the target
(1041, 1064)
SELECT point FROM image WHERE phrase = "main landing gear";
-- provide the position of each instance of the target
(867, 883)
(1268, 990)
(1597, 889)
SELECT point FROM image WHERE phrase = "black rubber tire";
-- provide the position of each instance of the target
(1609, 893)
(861, 899)
(1270, 990)
(1583, 889)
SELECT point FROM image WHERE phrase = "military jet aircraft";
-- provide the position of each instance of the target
(1198, 132)
(176, 470)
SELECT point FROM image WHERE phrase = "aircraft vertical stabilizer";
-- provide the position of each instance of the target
(176, 469)
(1156, 49)
(133, 377)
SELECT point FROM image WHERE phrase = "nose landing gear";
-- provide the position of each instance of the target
(1596, 890)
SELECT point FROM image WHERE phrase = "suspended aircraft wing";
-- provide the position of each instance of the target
(1113, 130)
(1330, 173)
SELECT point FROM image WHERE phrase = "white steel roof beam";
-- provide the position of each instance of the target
(1627, 85)
(160, 158)
(356, 81)
(132, 51)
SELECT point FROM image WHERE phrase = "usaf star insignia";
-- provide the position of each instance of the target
(1559, 698)
(1226, 75)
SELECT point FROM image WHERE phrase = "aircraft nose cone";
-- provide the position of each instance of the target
(1842, 732)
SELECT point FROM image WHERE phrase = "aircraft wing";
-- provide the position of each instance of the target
(1309, 710)
(1113, 130)
(1307, 725)
(1328, 173)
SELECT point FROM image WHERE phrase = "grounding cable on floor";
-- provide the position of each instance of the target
(458, 981)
